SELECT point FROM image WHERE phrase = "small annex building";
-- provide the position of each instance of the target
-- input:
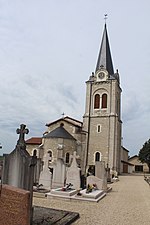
(126, 166)
(137, 165)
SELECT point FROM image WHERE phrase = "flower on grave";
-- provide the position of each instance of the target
(89, 188)
(63, 189)
(79, 193)
(95, 186)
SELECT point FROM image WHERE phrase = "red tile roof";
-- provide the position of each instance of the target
(34, 141)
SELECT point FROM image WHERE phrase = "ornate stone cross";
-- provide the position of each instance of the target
(22, 131)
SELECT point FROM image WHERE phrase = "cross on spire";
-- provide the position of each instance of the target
(63, 115)
(22, 131)
(105, 17)
(104, 57)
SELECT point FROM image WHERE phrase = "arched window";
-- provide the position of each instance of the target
(104, 101)
(67, 157)
(96, 101)
(50, 155)
(34, 152)
(97, 156)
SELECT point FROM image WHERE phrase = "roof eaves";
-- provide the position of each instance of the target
(63, 119)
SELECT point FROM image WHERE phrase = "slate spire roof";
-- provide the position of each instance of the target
(59, 132)
(104, 57)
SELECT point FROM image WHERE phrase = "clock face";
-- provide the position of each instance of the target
(101, 75)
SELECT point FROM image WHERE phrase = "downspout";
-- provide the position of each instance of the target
(109, 123)
(89, 121)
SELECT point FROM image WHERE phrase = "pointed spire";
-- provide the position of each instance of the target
(104, 58)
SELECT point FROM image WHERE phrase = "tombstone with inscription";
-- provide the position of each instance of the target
(100, 172)
(73, 173)
(45, 175)
(18, 169)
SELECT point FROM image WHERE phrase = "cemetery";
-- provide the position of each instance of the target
(18, 185)
(25, 178)
(94, 189)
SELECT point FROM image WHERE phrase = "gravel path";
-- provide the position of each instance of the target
(127, 204)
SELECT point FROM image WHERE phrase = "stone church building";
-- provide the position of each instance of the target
(98, 136)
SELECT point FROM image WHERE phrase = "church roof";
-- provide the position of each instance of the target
(59, 132)
(67, 119)
(130, 164)
(104, 57)
(34, 141)
(125, 149)
(134, 156)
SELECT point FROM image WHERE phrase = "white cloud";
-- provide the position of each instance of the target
(49, 49)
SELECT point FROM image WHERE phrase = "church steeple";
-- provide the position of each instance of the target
(104, 58)
(102, 118)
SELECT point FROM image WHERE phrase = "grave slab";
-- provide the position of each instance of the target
(59, 191)
(97, 196)
(94, 194)
(90, 197)
(46, 216)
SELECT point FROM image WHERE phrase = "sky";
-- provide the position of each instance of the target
(48, 50)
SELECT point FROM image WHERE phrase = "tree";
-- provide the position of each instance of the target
(144, 154)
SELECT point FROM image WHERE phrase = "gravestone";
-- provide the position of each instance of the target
(108, 174)
(45, 175)
(37, 171)
(59, 175)
(100, 172)
(19, 165)
(73, 174)
(18, 169)
(95, 180)
(14, 206)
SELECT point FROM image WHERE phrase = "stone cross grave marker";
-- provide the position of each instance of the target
(22, 131)
(18, 169)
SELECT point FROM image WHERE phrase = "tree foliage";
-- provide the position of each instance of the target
(144, 153)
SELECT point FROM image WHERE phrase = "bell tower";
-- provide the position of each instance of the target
(102, 118)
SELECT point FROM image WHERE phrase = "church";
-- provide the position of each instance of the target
(98, 136)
